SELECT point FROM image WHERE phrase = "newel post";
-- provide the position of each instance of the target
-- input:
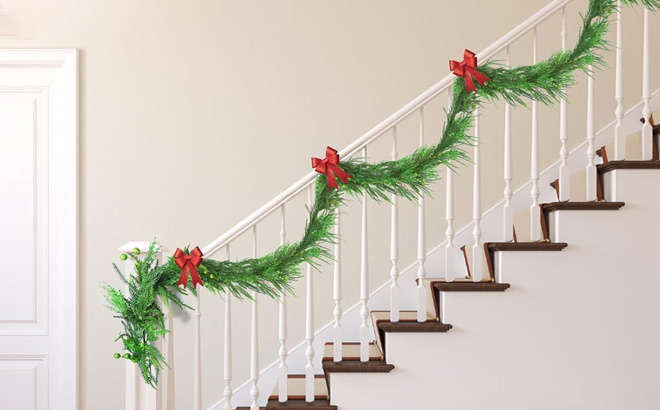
(140, 396)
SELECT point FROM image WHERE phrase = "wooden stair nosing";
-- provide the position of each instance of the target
(470, 286)
(525, 246)
(582, 206)
(414, 326)
(301, 405)
(356, 367)
(627, 164)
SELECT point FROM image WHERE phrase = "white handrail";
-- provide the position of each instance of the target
(384, 126)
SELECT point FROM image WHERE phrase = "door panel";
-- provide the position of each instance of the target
(38, 230)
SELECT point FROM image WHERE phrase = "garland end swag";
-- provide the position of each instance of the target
(138, 309)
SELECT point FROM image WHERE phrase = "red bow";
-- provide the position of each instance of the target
(188, 264)
(468, 69)
(329, 167)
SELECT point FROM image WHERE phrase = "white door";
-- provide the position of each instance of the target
(38, 230)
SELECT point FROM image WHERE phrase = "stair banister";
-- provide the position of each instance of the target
(405, 111)
(477, 250)
(227, 358)
(619, 131)
(591, 138)
(564, 171)
(450, 249)
(394, 243)
(507, 217)
(283, 325)
(647, 129)
(309, 320)
(254, 339)
(364, 280)
(336, 292)
(534, 210)
(421, 240)
(197, 368)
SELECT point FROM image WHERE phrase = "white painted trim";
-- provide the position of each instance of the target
(66, 150)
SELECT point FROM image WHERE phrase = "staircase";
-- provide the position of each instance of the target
(564, 320)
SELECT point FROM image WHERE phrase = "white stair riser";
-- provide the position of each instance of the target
(577, 330)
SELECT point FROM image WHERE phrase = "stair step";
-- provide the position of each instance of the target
(301, 405)
(525, 246)
(296, 388)
(492, 247)
(407, 323)
(463, 286)
(582, 206)
(612, 165)
(470, 286)
(351, 352)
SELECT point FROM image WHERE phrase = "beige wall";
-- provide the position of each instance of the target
(230, 99)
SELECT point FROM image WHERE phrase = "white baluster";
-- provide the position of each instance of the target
(477, 250)
(254, 343)
(421, 240)
(169, 355)
(394, 244)
(197, 377)
(450, 249)
(337, 313)
(591, 138)
(227, 350)
(564, 171)
(619, 132)
(647, 130)
(309, 323)
(283, 353)
(508, 168)
(534, 210)
(364, 281)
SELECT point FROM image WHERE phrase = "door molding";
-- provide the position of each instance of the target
(63, 207)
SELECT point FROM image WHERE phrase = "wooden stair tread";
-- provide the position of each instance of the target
(300, 404)
(582, 206)
(357, 367)
(470, 286)
(526, 246)
(632, 164)
(414, 326)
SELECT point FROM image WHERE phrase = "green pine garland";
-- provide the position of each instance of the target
(142, 318)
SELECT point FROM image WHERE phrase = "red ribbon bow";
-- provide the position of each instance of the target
(188, 264)
(329, 167)
(468, 69)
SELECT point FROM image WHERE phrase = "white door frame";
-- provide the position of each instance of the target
(63, 205)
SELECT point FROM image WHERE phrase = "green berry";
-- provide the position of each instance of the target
(123, 256)
(127, 355)
(211, 276)
(117, 355)
(136, 251)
